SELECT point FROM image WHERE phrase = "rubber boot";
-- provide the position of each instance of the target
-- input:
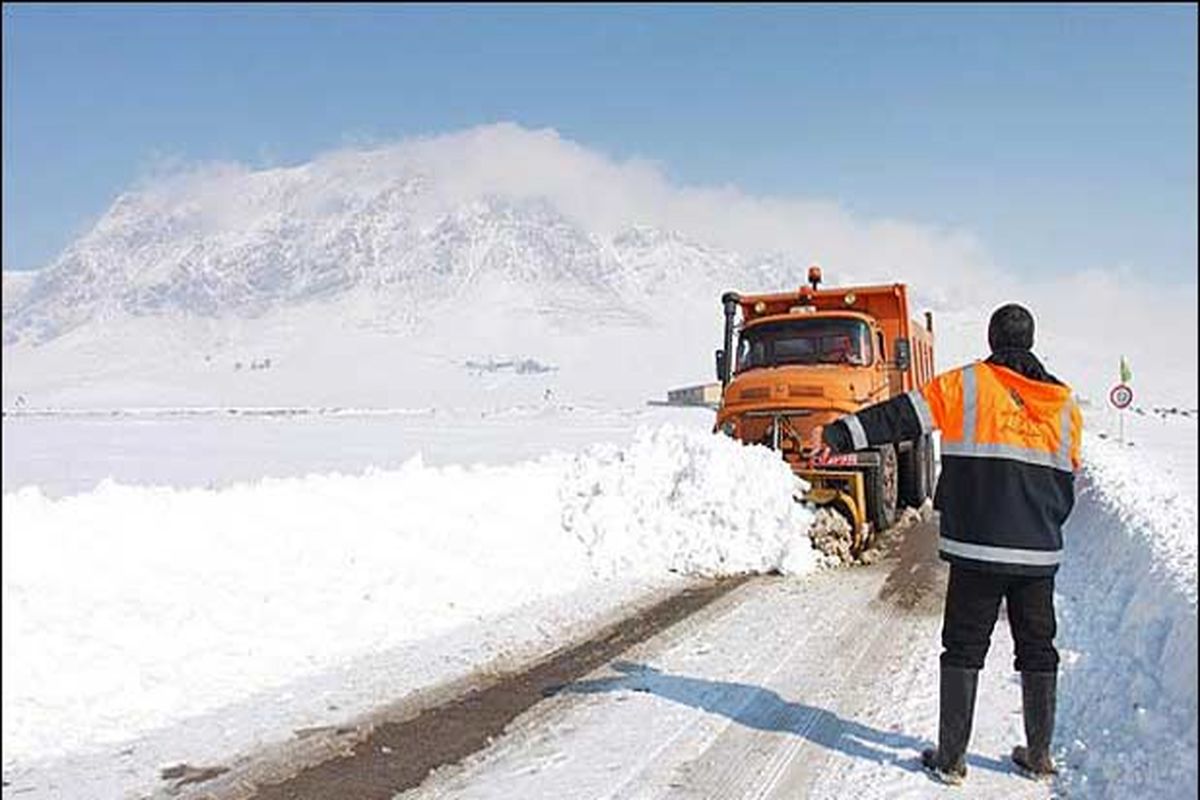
(948, 763)
(1038, 695)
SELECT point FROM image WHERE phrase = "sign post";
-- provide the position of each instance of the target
(1121, 396)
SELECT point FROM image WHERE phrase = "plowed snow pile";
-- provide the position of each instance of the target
(1127, 615)
(129, 608)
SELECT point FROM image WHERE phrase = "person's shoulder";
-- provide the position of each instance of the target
(954, 374)
(959, 369)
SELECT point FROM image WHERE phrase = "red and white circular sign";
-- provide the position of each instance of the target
(1121, 396)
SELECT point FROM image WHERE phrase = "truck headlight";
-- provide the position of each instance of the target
(728, 427)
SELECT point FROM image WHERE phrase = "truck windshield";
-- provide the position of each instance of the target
(805, 341)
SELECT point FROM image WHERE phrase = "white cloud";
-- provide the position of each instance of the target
(606, 195)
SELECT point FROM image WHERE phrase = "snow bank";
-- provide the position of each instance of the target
(1127, 606)
(128, 608)
(686, 502)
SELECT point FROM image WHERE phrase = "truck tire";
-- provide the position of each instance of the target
(915, 473)
(883, 490)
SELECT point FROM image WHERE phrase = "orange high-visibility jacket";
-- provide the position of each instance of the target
(1009, 451)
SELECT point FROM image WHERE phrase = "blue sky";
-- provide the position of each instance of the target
(1064, 137)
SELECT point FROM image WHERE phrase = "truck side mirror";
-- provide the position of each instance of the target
(720, 354)
(903, 354)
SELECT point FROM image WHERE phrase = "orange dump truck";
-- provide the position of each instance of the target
(805, 358)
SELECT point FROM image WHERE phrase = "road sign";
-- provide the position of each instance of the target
(1121, 396)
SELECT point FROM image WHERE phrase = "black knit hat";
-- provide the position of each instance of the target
(1011, 328)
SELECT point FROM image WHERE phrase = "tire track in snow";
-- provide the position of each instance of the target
(396, 755)
(727, 704)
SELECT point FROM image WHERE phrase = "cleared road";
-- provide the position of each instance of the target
(823, 686)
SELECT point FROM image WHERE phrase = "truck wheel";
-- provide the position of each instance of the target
(883, 489)
(915, 483)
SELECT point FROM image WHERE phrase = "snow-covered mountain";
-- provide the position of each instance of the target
(244, 244)
(384, 256)
(16, 286)
(496, 243)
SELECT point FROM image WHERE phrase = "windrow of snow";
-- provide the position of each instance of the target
(1127, 609)
(674, 502)
(127, 609)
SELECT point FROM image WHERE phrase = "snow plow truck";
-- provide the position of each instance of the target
(804, 358)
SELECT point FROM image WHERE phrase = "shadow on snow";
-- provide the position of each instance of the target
(763, 709)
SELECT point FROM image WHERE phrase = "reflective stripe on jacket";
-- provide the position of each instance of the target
(1010, 446)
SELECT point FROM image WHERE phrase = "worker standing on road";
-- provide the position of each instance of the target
(1010, 448)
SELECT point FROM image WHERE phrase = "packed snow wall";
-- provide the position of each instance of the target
(1127, 631)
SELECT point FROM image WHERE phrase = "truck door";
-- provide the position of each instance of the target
(894, 378)
(882, 381)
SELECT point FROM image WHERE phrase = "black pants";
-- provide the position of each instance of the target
(972, 605)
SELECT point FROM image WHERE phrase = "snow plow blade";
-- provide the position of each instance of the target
(844, 491)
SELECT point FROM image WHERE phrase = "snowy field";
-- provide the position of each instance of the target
(1164, 440)
(130, 609)
(68, 453)
(145, 613)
